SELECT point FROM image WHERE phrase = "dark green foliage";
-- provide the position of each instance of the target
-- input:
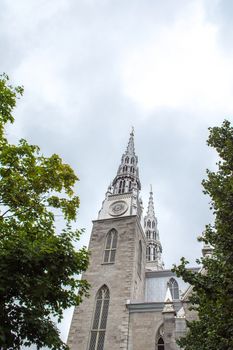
(213, 289)
(38, 265)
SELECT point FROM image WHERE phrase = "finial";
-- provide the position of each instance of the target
(168, 304)
(132, 131)
(168, 296)
(151, 189)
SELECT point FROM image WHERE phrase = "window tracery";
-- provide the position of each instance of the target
(110, 246)
(174, 288)
(100, 319)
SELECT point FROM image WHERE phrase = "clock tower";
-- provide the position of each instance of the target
(117, 264)
(122, 197)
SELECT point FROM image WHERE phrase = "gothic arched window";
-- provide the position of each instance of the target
(129, 186)
(160, 344)
(110, 246)
(149, 223)
(140, 258)
(132, 160)
(174, 288)
(153, 224)
(154, 235)
(132, 169)
(100, 319)
(127, 160)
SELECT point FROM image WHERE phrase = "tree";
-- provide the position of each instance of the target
(38, 265)
(213, 288)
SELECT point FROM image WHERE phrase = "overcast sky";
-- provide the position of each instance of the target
(93, 68)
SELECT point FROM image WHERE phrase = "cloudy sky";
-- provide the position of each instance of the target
(93, 68)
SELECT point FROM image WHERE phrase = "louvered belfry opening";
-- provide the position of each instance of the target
(100, 319)
(110, 247)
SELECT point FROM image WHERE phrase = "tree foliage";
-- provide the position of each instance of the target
(213, 289)
(38, 265)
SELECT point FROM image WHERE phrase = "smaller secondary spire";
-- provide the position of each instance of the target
(154, 247)
(150, 210)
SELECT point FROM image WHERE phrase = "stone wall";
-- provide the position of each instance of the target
(121, 278)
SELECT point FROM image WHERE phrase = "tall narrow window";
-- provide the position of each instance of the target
(174, 288)
(140, 258)
(123, 187)
(160, 344)
(120, 186)
(100, 319)
(147, 253)
(110, 246)
(154, 255)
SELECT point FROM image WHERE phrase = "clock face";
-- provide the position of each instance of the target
(118, 208)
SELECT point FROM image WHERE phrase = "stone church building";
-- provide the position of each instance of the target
(134, 303)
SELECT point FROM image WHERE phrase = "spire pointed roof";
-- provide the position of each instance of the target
(168, 304)
(154, 247)
(168, 296)
(130, 147)
(127, 178)
(150, 210)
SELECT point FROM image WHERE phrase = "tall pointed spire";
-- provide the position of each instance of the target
(154, 247)
(150, 210)
(130, 147)
(122, 196)
(127, 178)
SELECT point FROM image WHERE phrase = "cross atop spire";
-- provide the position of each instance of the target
(130, 148)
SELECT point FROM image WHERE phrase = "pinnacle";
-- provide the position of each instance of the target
(150, 210)
(130, 148)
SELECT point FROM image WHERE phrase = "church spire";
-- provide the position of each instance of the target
(130, 147)
(154, 247)
(122, 196)
(127, 178)
(150, 210)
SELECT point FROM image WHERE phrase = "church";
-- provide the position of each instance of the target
(134, 302)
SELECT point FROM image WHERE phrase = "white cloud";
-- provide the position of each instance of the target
(180, 66)
(92, 69)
